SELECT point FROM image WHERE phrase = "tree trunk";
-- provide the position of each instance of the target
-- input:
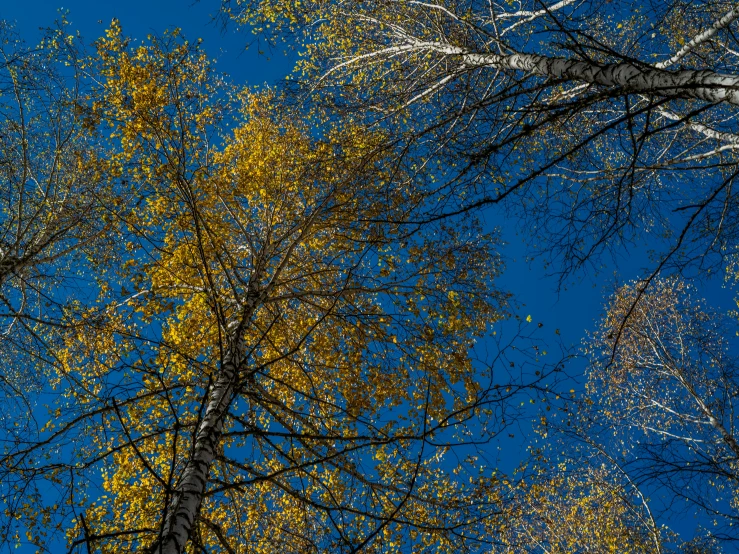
(185, 503)
(703, 85)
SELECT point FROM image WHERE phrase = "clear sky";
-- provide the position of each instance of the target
(140, 18)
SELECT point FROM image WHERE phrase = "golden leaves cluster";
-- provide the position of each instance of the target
(292, 242)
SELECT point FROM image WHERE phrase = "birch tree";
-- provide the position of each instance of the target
(53, 216)
(660, 407)
(579, 508)
(597, 123)
(272, 361)
(47, 178)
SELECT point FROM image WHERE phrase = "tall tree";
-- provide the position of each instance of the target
(596, 122)
(661, 401)
(54, 213)
(50, 187)
(657, 421)
(273, 360)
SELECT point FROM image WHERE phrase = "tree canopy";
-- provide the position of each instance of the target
(595, 122)
(241, 320)
(266, 359)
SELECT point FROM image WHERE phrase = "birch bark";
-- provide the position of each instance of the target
(699, 84)
(188, 496)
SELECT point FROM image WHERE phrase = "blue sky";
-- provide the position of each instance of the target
(140, 18)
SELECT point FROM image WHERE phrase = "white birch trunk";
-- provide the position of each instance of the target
(185, 503)
(703, 85)
(706, 35)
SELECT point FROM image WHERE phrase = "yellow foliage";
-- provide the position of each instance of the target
(286, 250)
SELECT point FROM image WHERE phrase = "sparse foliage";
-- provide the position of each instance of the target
(661, 402)
(597, 123)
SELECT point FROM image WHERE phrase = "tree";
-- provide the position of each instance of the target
(53, 216)
(272, 360)
(598, 123)
(49, 188)
(578, 509)
(661, 402)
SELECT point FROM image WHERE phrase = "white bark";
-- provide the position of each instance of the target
(531, 16)
(189, 492)
(702, 129)
(703, 85)
(528, 13)
(706, 35)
